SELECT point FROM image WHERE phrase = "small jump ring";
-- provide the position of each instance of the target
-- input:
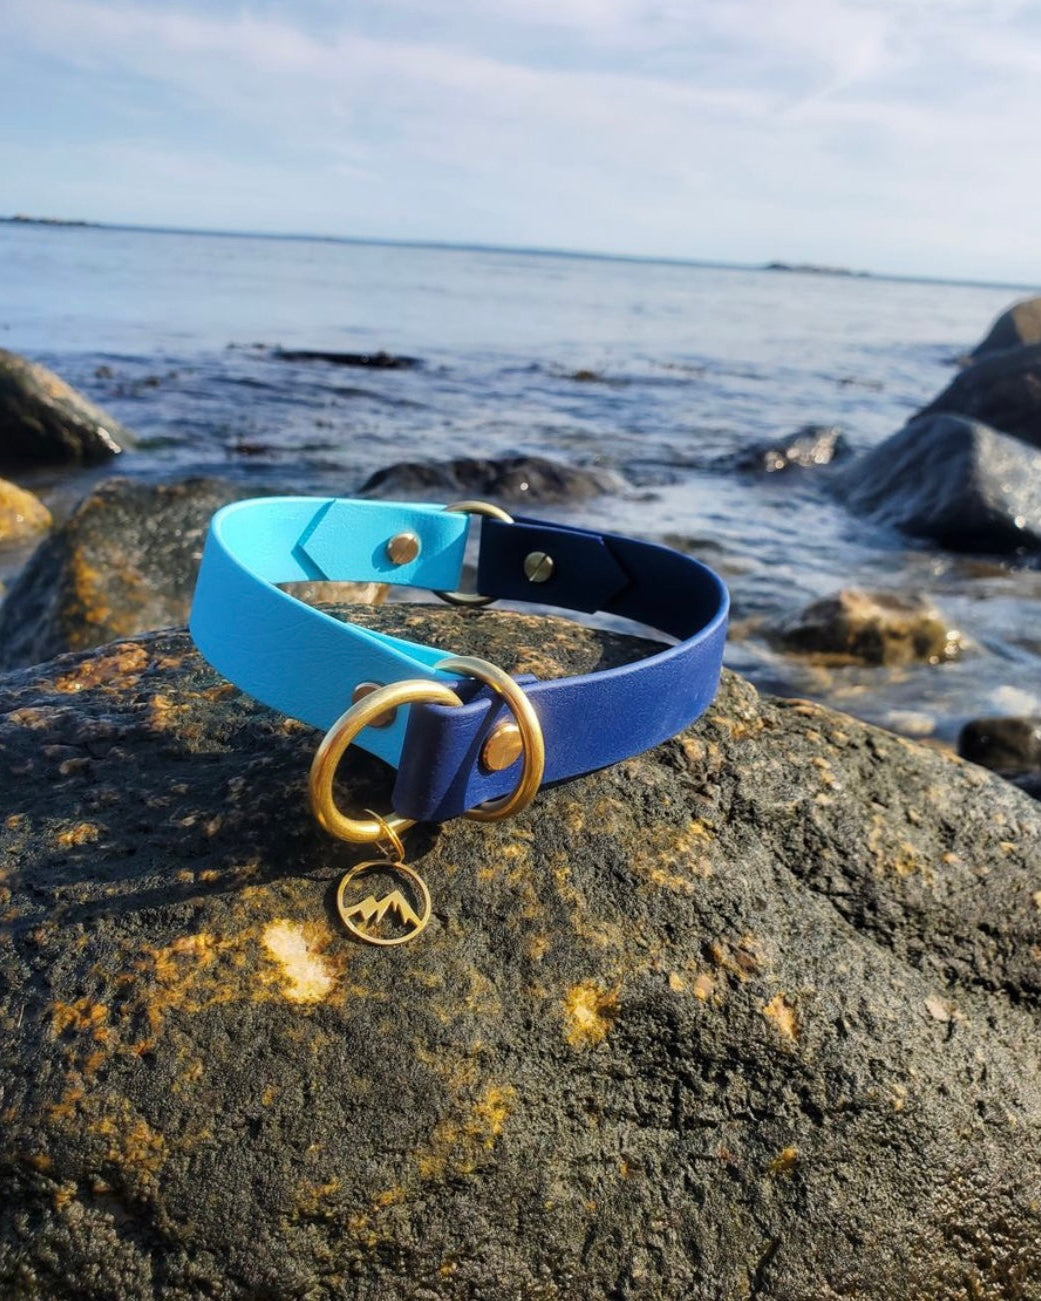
(389, 834)
(530, 728)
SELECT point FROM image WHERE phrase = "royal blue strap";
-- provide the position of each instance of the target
(306, 663)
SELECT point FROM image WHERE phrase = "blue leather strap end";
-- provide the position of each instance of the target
(595, 719)
(306, 663)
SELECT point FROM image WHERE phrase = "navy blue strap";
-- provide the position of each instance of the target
(588, 721)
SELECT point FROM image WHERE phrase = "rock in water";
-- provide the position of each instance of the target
(1007, 745)
(857, 627)
(807, 448)
(364, 360)
(21, 513)
(508, 478)
(1019, 326)
(756, 1013)
(124, 562)
(1002, 390)
(44, 421)
(952, 480)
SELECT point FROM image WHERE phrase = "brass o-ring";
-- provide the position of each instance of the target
(328, 755)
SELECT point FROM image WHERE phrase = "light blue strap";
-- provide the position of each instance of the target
(289, 655)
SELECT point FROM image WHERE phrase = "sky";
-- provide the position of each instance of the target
(897, 136)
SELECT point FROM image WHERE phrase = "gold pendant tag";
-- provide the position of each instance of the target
(393, 916)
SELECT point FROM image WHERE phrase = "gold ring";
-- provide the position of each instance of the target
(323, 768)
(474, 508)
(530, 729)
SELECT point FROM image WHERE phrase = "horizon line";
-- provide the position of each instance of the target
(778, 266)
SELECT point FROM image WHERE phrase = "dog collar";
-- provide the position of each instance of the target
(450, 734)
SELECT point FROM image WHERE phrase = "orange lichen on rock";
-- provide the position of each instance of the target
(457, 1144)
(782, 1012)
(589, 1012)
(88, 586)
(164, 713)
(784, 1161)
(81, 1017)
(83, 833)
(741, 958)
(121, 665)
(674, 858)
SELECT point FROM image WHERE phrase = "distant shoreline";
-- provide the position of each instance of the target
(791, 268)
(813, 269)
(21, 219)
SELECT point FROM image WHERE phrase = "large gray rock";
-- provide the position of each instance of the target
(753, 1014)
(951, 480)
(1002, 390)
(1020, 325)
(507, 478)
(124, 562)
(44, 421)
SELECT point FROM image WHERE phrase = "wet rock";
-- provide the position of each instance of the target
(755, 1012)
(1006, 745)
(871, 628)
(509, 478)
(21, 513)
(365, 360)
(1002, 390)
(44, 421)
(124, 562)
(808, 447)
(952, 480)
(1019, 326)
(1028, 782)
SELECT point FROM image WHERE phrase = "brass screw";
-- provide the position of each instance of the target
(364, 689)
(502, 748)
(403, 548)
(538, 567)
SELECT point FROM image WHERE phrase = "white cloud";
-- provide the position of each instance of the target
(891, 134)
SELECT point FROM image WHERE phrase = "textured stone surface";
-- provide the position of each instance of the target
(752, 1015)
(124, 562)
(509, 478)
(1002, 390)
(21, 513)
(871, 628)
(1020, 325)
(953, 481)
(43, 420)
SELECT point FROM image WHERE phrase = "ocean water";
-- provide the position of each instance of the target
(175, 334)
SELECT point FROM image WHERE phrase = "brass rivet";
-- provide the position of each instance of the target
(364, 689)
(503, 747)
(403, 548)
(538, 567)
